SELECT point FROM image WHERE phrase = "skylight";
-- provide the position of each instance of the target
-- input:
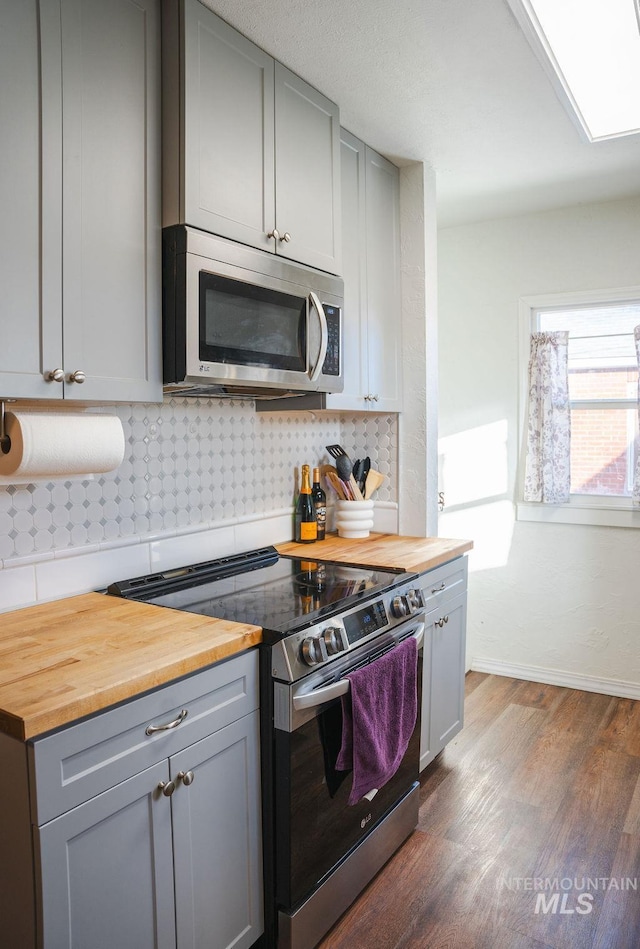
(593, 47)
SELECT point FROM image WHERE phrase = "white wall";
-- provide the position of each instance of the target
(561, 601)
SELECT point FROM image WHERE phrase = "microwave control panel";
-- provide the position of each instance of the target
(331, 364)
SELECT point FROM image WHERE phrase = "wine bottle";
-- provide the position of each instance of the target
(319, 503)
(306, 521)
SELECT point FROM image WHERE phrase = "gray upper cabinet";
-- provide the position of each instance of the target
(27, 332)
(307, 174)
(227, 97)
(372, 303)
(251, 152)
(85, 291)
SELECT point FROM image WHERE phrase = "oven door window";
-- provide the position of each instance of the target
(248, 325)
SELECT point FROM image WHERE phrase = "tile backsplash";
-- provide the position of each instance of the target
(189, 463)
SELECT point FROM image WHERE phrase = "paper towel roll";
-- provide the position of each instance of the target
(55, 444)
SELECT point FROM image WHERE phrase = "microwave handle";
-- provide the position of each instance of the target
(324, 335)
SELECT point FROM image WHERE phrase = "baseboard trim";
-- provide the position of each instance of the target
(570, 680)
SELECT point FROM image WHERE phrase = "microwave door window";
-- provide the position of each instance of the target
(246, 325)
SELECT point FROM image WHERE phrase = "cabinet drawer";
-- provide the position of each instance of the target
(444, 582)
(82, 760)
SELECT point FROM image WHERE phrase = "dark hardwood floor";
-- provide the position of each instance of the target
(529, 831)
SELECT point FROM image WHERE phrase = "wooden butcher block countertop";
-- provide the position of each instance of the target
(63, 660)
(387, 551)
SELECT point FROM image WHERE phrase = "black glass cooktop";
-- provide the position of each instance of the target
(280, 594)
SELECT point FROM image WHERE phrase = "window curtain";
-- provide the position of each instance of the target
(547, 470)
(636, 475)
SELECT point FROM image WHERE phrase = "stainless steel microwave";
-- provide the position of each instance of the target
(238, 321)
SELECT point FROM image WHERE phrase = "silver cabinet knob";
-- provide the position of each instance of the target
(167, 787)
(77, 376)
(55, 375)
(286, 237)
(186, 777)
(374, 398)
(275, 234)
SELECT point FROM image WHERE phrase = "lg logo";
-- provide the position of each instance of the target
(365, 821)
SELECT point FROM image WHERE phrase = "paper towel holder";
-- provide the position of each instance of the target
(5, 441)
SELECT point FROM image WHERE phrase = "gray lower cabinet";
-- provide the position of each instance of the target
(81, 195)
(216, 840)
(142, 841)
(106, 869)
(371, 269)
(250, 150)
(444, 659)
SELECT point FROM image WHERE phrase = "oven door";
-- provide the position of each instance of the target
(315, 828)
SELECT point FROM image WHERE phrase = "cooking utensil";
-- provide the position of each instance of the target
(345, 473)
(374, 480)
(332, 478)
(366, 467)
(336, 451)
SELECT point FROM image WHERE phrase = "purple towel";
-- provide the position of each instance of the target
(379, 715)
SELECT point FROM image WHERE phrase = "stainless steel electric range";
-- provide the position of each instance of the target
(321, 620)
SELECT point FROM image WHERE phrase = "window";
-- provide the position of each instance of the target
(591, 51)
(603, 392)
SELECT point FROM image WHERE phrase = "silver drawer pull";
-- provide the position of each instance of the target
(152, 729)
(443, 586)
(186, 777)
(440, 622)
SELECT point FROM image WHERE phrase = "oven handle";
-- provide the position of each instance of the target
(341, 687)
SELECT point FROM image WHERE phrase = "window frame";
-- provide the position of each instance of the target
(585, 509)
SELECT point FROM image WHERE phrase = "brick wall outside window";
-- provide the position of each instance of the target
(602, 449)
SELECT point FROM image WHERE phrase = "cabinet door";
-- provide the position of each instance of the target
(371, 257)
(307, 140)
(228, 182)
(354, 271)
(107, 871)
(383, 283)
(448, 626)
(111, 199)
(30, 310)
(216, 832)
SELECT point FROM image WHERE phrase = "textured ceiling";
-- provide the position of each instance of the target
(453, 83)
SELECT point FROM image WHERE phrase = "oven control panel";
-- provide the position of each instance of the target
(293, 656)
